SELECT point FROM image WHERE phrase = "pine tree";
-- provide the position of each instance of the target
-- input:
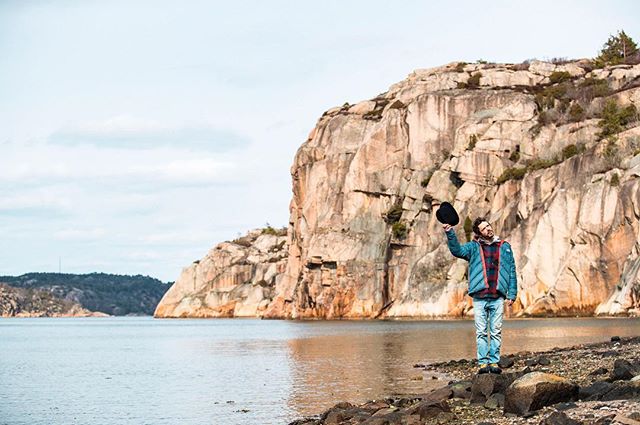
(616, 50)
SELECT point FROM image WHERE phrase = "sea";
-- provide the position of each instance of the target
(141, 370)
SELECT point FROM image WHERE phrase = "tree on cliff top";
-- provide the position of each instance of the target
(616, 50)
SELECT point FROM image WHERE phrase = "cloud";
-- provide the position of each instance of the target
(47, 164)
(40, 203)
(183, 170)
(129, 132)
(80, 235)
(175, 238)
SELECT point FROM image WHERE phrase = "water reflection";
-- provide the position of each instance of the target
(360, 361)
(129, 370)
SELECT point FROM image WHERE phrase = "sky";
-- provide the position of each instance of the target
(136, 135)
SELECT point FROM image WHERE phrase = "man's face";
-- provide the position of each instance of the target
(486, 231)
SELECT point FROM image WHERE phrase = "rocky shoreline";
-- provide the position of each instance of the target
(28, 302)
(591, 384)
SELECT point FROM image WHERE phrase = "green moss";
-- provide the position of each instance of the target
(615, 180)
(374, 115)
(543, 118)
(468, 228)
(595, 87)
(559, 77)
(614, 119)
(572, 150)
(515, 156)
(576, 113)
(474, 80)
(472, 142)
(569, 151)
(394, 213)
(517, 173)
(546, 99)
(540, 164)
(425, 181)
(399, 230)
(460, 66)
(269, 230)
(610, 151)
(512, 174)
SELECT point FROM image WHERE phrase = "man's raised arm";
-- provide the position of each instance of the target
(457, 250)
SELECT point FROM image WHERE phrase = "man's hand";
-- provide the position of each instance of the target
(509, 303)
(447, 227)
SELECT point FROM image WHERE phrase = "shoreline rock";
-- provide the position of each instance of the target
(591, 384)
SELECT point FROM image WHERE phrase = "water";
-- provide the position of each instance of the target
(141, 370)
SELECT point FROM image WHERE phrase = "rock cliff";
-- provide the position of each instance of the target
(235, 279)
(549, 153)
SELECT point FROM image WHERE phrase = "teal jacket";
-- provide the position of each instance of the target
(472, 252)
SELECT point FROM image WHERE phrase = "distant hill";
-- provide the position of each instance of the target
(116, 295)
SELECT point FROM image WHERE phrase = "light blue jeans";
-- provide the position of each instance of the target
(488, 315)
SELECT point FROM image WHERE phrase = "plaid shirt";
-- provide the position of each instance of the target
(491, 254)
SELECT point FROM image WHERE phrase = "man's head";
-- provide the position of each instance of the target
(482, 228)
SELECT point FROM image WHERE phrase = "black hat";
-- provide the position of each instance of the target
(446, 214)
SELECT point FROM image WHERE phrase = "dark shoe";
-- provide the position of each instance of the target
(494, 368)
(484, 368)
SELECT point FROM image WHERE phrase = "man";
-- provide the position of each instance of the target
(492, 278)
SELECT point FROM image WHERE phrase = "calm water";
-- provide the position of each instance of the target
(154, 371)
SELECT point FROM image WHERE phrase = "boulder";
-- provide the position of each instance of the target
(559, 418)
(375, 405)
(506, 362)
(621, 390)
(536, 390)
(461, 389)
(440, 394)
(428, 409)
(543, 361)
(624, 370)
(599, 371)
(594, 391)
(394, 418)
(495, 401)
(337, 416)
(484, 385)
(403, 402)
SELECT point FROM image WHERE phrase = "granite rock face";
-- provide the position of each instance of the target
(235, 279)
(363, 240)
